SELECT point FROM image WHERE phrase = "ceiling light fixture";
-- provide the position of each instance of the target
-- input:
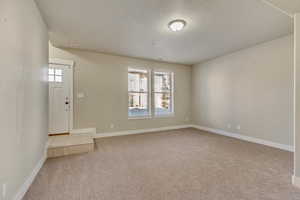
(177, 25)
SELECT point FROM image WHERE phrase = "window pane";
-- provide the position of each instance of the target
(162, 103)
(58, 72)
(162, 81)
(51, 78)
(51, 71)
(58, 78)
(137, 80)
(138, 104)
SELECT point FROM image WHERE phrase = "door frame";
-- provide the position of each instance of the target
(70, 64)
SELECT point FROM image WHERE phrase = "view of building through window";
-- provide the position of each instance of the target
(139, 94)
(163, 93)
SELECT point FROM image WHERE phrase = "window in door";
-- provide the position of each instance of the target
(55, 75)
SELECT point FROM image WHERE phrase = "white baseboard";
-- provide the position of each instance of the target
(216, 131)
(296, 181)
(246, 138)
(84, 131)
(22, 191)
(139, 131)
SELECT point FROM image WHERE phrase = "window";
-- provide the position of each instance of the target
(139, 96)
(163, 93)
(138, 93)
(55, 75)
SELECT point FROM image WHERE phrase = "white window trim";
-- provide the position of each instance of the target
(140, 117)
(149, 116)
(151, 95)
(172, 113)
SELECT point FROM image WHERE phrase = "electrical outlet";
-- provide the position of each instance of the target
(3, 190)
(228, 125)
(238, 127)
(80, 95)
(112, 126)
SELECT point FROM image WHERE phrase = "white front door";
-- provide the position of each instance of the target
(59, 77)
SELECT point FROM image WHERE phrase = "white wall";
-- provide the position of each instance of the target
(252, 88)
(103, 80)
(297, 96)
(23, 92)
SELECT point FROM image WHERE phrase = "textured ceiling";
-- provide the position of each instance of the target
(138, 28)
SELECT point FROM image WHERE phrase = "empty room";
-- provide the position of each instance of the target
(150, 100)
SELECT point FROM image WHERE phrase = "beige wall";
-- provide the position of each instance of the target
(297, 94)
(252, 88)
(23, 92)
(103, 80)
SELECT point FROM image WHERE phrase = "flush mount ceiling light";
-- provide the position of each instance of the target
(177, 25)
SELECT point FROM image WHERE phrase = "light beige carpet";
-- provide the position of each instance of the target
(184, 164)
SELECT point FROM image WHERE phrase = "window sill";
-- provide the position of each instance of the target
(139, 117)
(154, 116)
(165, 115)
